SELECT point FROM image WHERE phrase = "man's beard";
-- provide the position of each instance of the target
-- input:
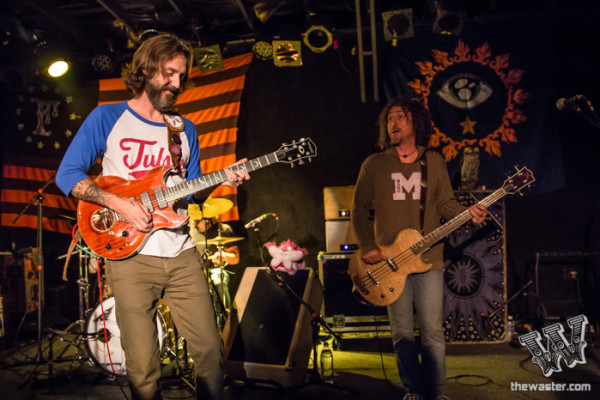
(162, 104)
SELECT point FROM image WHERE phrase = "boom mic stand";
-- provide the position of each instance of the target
(39, 198)
(316, 322)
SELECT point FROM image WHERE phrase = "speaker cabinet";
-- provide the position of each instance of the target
(268, 335)
(475, 277)
(342, 310)
(563, 284)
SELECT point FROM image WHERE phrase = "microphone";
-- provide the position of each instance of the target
(258, 220)
(563, 104)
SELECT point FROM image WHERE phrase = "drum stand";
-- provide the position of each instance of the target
(78, 327)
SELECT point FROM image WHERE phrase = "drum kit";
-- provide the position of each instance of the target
(90, 340)
(217, 253)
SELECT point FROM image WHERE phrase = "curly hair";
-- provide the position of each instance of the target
(421, 120)
(150, 56)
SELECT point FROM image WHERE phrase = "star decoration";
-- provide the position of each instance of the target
(18, 111)
(20, 126)
(40, 145)
(69, 99)
(56, 145)
(28, 139)
(74, 116)
(468, 126)
(44, 88)
(68, 133)
(21, 98)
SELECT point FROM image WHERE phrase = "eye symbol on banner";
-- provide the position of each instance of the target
(465, 91)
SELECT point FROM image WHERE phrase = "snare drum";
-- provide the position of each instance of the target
(96, 342)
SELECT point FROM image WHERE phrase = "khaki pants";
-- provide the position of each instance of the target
(137, 283)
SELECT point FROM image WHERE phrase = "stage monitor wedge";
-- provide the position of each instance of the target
(268, 336)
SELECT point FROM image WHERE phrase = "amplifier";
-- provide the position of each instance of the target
(337, 201)
(339, 236)
(343, 310)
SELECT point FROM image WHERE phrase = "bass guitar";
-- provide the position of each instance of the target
(382, 283)
(109, 236)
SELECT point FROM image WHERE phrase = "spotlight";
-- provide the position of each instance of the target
(398, 24)
(209, 58)
(58, 67)
(317, 38)
(286, 53)
(448, 22)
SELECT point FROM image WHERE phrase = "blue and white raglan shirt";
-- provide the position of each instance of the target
(130, 146)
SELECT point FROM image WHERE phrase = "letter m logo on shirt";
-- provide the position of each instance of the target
(402, 186)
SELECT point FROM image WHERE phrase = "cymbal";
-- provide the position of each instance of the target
(224, 239)
(212, 207)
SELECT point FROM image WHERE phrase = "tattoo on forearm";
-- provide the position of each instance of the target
(88, 191)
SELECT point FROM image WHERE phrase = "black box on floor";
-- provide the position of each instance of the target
(343, 310)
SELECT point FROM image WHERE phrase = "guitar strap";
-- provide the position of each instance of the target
(175, 126)
(423, 163)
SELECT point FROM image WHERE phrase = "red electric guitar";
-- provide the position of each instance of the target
(382, 283)
(105, 232)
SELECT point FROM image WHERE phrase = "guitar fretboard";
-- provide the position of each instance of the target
(184, 189)
(456, 222)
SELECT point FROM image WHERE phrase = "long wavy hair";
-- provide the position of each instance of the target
(420, 119)
(149, 58)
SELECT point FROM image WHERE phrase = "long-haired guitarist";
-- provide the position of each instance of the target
(408, 186)
(132, 137)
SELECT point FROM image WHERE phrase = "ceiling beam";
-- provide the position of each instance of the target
(245, 14)
(120, 13)
(51, 11)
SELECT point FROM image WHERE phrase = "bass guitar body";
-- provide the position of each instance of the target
(382, 283)
(107, 234)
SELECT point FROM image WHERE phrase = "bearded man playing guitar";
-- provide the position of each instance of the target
(408, 187)
(132, 137)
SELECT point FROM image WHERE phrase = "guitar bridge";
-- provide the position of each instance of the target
(359, 285)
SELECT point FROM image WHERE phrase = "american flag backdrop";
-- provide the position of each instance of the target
(44, 120)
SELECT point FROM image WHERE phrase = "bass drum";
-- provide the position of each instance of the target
(96, 342)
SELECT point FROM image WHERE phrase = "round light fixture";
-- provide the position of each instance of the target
(58, 68)
(263, 50)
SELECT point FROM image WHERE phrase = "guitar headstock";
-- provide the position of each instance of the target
(523, 178)
(296, 151)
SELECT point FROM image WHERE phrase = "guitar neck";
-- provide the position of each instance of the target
(184, 189)
(455, 223)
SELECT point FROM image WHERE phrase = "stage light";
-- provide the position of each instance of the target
(397, 24)
(58, 67)
(317, 38)
(263, 50)
(448, 22)
(287, 53)
(209, 58)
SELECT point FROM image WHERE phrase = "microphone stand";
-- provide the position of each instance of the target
(39, 198)
(594, 119)
(316, 322)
